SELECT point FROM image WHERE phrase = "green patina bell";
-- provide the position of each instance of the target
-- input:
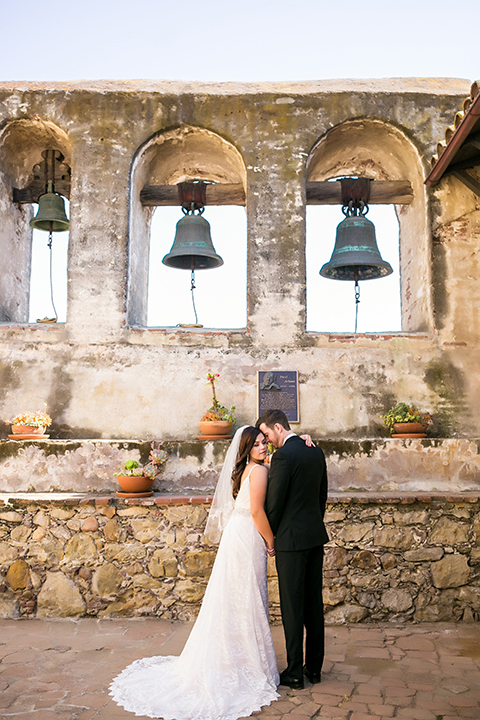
(192, 248)
(51, 214)
(356, 255)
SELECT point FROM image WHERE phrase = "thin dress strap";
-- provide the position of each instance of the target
(247, 478)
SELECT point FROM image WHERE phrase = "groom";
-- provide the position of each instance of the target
(295, 506)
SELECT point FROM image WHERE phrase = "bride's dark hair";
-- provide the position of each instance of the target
(247, 441)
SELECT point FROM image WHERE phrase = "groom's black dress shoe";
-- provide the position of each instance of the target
(294, 683)
(313, 677)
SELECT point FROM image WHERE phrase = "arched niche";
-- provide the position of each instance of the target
(168, 158)
(378, 150)
(21, 144)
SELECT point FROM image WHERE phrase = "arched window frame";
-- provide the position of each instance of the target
(22, 142)
(382, 152)
(169, 157)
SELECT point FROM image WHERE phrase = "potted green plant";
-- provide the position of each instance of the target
(218, 421)
(29, 425)
(404, 420)
(137, 481)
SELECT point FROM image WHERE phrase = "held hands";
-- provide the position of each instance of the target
(270, 551)
(308, 440)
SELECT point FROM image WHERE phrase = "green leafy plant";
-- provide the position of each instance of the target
(157, 459)
(217, 411)
(405, 412)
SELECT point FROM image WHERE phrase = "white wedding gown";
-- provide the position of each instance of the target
(228, 668)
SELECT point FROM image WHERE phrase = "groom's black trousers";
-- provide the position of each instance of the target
(301, 603)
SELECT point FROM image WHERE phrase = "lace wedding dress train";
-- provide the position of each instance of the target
(228, 668)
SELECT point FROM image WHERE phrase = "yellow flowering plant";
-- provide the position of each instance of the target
(404, 413)
(33, 419)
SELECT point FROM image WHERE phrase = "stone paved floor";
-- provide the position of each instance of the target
(60, 670)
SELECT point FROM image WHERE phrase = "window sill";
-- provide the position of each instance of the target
(370, 336)
(141, 335)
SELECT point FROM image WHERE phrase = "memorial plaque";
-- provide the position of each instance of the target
(278, 390)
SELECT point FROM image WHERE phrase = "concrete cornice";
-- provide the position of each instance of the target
(430, 86)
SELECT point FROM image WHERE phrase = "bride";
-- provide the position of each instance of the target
(228, 668)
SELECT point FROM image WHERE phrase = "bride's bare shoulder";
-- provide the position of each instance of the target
(259, 471)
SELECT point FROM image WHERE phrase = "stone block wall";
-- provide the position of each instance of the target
(409, 558)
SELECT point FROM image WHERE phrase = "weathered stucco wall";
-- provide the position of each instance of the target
(390, 557)
(389, 465)
(104, 375)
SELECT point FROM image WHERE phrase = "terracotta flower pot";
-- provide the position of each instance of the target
(28, 430)
(410, 429)
(135, 485)
(214, 429)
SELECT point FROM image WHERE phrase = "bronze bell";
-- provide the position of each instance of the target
(356, 255)
(51, 214)
(192, 248)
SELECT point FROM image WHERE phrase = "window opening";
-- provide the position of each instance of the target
(40, 291)
(220, 293)
(330, 304)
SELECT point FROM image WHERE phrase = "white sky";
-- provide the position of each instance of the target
(217, 40)
(248, 40)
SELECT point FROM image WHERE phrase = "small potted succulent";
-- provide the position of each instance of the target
(137, 481)
(29, 425)
(218, 421)
(404, 420)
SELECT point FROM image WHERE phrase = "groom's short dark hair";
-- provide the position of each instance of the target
(271, 417)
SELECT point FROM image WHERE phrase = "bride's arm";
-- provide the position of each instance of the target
(258, 491)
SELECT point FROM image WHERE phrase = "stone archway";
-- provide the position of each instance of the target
(21, 144)
(169, 157)
(378, 150)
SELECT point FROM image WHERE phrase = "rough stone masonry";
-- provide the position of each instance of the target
(400, 559)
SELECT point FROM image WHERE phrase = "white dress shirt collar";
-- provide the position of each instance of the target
(292, 434)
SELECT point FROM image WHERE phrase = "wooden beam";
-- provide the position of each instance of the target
(32, 192)
(473, 139)
(463, 164)
(471, 182)
(382, 192)
(221, 194)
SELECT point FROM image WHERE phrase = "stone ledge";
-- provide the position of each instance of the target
(355, 466)
(164, 499)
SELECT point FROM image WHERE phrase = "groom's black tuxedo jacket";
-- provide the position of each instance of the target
(296, 496)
